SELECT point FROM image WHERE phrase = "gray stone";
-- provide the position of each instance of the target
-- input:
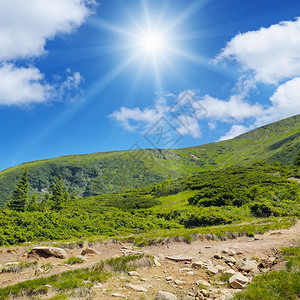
(198, 264)
(133, 273)
(136, 288)
(89, 251)
(49, 251)
(179, 258)
(165, 296)
(238, 281)
(203, 283)
(212, 270)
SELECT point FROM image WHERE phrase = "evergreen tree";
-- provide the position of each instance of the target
(297, 159)
(58, 195)
(20, 195)
(32, 203)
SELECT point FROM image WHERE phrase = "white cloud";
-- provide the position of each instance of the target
(234, 131)
(273, 53)
(127, 116)
(22, 86)
(25, 26)
(189, 126)
(235, 108)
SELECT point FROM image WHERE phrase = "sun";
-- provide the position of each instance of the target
(151, 43)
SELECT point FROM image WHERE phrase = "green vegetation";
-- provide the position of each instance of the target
(206, 199)
(281, 285)
(102, 173)
(73, 282)
(20, 195)
(74, 260)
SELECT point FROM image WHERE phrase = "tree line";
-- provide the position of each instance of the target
(53, 199)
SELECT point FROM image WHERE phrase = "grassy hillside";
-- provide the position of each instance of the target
(209, 198)
(100, 173)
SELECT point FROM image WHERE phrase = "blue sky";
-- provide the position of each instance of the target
(83, 76)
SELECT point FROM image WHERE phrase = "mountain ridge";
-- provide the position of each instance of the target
(106, 172)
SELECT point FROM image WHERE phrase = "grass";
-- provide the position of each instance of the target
(279, 285)
(74, 260)
(18, 267)
(218, 232)
(78, 282)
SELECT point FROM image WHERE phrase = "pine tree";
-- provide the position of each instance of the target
(20, 195)
(297, 159)
(32, 203)
(58, 195)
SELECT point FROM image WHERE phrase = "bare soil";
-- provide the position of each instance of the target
(183, 277)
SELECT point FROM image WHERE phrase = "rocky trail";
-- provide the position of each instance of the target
(204, 269)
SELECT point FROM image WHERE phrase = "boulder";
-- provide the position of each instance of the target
(238, 281)
(49, 251)
(89, 251)
(165, 296)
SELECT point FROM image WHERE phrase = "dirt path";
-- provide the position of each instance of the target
(157, 278)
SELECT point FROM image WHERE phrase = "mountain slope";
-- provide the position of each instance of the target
(99, 173)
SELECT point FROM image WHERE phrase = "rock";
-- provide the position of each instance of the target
(136, 288)
(225, 251)
(169, 278)
(238, 281)
(133, 273)
(198, 264)
(190, 273)
(212, 270)
(177, 258)
(179, 282)
(49, 251)
(118, 295)
(221, 268)
(203, 283)
(165, 296)
(205, 293)
(156, 262)
(39, 271)
(248, 266)
(231, 252)
(98, 285)
(161, 256)
(89, 251)
(230, 260)
(217, 256)
(48, 286)
(185, 269)
(229, 272)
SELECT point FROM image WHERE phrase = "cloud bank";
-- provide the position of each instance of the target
(25, 28)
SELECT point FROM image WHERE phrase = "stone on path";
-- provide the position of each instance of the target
(133, 273)
(89, 251)
(165, 296)
(137, 288)
(238, 281)
(49, 251)
(179, 258)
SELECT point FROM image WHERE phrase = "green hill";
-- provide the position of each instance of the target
(100, 173)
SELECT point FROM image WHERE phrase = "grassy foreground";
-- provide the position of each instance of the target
(75, 283)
